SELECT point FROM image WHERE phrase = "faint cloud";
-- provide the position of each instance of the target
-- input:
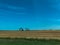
(58, 20)
(10, 6)
(55, 4)
(14, 7)
(54, 20)
(54, 27)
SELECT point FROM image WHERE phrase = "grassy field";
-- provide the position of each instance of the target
(23, 41)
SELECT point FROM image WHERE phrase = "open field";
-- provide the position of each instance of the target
(29, 37)
(31, 34)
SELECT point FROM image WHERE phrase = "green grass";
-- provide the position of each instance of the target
(24, 41)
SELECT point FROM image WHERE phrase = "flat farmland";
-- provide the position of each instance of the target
(31, 34)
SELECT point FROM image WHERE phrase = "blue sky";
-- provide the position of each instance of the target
(33, 14)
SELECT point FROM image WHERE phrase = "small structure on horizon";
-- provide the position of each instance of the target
(21, 29)
(26, 29)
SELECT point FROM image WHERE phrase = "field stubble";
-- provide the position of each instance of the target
(31, 34)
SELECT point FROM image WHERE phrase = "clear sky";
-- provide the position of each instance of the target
(33, 14)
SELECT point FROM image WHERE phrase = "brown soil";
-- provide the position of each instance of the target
(31, 34)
